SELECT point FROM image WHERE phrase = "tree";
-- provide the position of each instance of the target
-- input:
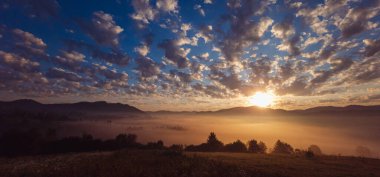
(213, 144)
(262, 147)
(126, 140)
(236, 146)
(282, 148)
(255, 147)
(315, 149)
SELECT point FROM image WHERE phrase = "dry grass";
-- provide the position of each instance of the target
(299, 166)
(146, 163)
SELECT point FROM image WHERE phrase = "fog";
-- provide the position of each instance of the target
(335, 135)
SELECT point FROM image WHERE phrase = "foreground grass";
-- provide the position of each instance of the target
(140, 163)
(299, 166)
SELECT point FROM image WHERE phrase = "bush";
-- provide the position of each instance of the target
(309, 154)
(282, 148)
(315, 149)
(176, 147)
(362, 151)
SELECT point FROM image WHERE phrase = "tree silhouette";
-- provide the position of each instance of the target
(236, 146)
(282, 148)
(213, 144)
(262, 147)
(255, 147)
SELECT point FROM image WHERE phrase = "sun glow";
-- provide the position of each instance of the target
(262, 99)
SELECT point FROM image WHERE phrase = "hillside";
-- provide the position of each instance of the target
(99, 106)
(146, 163)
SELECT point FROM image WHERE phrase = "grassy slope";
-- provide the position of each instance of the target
(300, 166)
(139, 163)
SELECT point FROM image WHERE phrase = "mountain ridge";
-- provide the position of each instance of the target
(99, 106)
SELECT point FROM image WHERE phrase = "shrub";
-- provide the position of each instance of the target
(315, 149)
(362, 151)
(309, 154)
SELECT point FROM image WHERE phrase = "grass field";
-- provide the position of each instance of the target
(145, 163)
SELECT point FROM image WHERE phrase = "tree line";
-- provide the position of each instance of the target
(33, 142)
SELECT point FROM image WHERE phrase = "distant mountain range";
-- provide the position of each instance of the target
(253, 110)
(104, 107)
(96, 107)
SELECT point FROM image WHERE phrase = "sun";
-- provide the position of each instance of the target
(262, 99)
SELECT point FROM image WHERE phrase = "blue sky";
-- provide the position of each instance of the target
(191, 55)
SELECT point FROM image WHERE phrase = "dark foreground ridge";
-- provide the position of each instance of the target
(125, 157)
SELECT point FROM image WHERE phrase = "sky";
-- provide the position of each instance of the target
(191, 54)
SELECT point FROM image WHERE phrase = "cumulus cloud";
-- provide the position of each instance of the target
(147, 67)
(364, 71)
(144, 12)
(18, 63)
(243, 34)
(336, 66)
(27, 44)
(167, 5)
(175, 53)
(372, 47)
(115, 55)
(357, 20)
(103, 29)
(142, 50)
(205, 32)
(283, 30)
(71, 59)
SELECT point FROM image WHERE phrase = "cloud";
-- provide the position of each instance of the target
(142, 50)
(144, 12)
(44, 9)
(114, 55)
(18, 63)
(175, 53)
(27, 45)
(298, 87)
(205, 32)
(283, 30)
(364, 71)
(200, 10)
(70, 59)
(372, 47)
(286, 32)
(243, 33)
(357, 20)
(336, 66)
(167, 5)
(103, 29)
(59, 73)
(207, 1)
(147, 67)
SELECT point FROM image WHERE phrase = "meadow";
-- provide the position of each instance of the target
(164, 163)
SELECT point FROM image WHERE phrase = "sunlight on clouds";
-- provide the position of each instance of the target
(262, 99)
